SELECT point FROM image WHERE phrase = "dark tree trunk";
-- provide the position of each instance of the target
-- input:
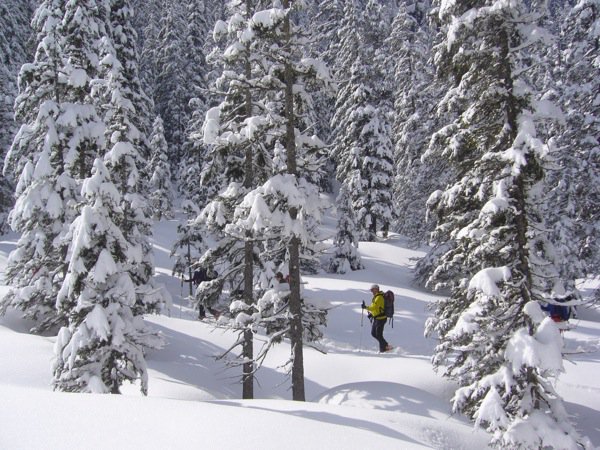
(248, 345)
(294, 244)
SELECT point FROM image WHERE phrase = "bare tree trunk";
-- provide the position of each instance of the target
(296, 322)
(294, 244)
(190, 274)
(519, 192)
(248, 345)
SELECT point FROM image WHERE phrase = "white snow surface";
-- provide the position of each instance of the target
(356, 398)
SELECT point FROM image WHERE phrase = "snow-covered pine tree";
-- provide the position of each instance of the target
(415, 93)
(324, 18)
(575, 202)
(345, 243)
(161, 190)
(125, 43)
(124, 156)
(61, 133)
(493, 339)
(82, 28)
(286, 206)
(38, 82)
(189, 246)
(171, 94)
(197, 73)
(14, 52)
(363, 149)
(103, 344)
(196, 40)
(147, 24)
(237, 162)
(376, 18)
(195, 156)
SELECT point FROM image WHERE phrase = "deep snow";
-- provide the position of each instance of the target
(357, 398)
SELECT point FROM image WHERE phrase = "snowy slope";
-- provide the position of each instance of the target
(357, 398)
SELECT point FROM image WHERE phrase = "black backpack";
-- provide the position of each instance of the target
(388, 306)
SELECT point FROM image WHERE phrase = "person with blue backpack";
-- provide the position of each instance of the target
(376, 313)
(556, 311)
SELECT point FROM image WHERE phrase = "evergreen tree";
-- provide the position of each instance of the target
(125, 44)
(147, 25)
(14, 52)
(171, 94)
(195, 157)
(103, 344)
(124, 157)
(196, 74)
(82, 27)
(189, 246)
(345, 244)
(410, 44)
(257, 123)
(236, 163)
(323, 19)
(287, 204)
(575, 202)
(363, 149)
(61, 132)
(376, 19)
(161, 191)
(500, 265)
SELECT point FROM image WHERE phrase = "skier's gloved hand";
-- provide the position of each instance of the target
(369, 316)
(363, 306)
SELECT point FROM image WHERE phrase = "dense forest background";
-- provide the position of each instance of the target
(470, 126)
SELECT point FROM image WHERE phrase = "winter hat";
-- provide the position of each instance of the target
(374, 286)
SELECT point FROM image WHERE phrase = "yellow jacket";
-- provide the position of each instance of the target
(376, 308)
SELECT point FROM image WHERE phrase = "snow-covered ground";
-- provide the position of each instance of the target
(357, 398)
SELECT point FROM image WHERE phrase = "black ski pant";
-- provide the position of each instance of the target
(377, 333)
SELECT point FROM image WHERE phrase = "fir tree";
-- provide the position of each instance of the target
(14, 52)
(189, 246)
(147, 24)
(82, 27)
(345, 244)
(410, 44)
(103, 344)
(574, 205)
(236, 163)
(255, 119)
(196, 73)
(323, 21)
(161, 191)
(125, 43)
(286, 206)
(363, 149)
(125, 159)
(61, 131)
(500, 265)
(195, 157)
(171, 96)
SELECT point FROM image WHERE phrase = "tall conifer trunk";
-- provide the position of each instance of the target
(520, 194)
(294, 244)
(248, 345)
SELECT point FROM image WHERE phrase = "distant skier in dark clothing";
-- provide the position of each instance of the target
(198, 277)
(283, 282)
(378, 318)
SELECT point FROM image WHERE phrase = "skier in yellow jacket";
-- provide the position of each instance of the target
(377, 315)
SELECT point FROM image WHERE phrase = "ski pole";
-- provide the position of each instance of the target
(181, 297)
(362, 316)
